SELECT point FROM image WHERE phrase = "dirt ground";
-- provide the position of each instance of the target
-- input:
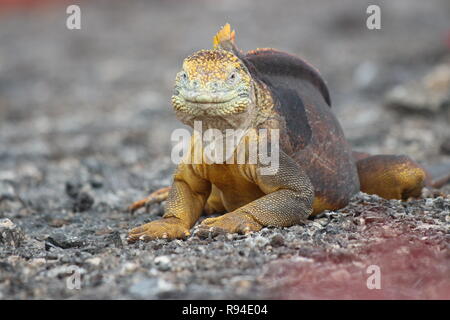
(85, 125)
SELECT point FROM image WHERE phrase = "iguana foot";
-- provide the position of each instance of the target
(165, 228)
(157, 196)
(232, 222)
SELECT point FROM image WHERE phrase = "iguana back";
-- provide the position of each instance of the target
(313, 136)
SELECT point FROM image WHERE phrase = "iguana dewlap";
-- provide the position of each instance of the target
(227, 89)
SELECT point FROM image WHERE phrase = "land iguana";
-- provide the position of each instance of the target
(225, 88)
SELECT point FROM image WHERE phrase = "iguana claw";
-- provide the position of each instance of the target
(166, 228)
(233, 222)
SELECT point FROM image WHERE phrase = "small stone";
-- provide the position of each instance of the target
(30, 171)
(371, 219)
(341, 275)
(62, 241)
(277, 241)
(64, 270)
(37, 262)
(104, 231)
(257, 241)
(6, 190)
(73, 189)
(114, 238)
(83, 202)
(129, 267)
(146, 288)
(425, 96)
(429, 202)
(165, 286)
(6, 223)
(94, 261)
(9, 201)
(323, 221)
(151, 287)
(162, 263)
(96, 182)
(58, 223)
(13, 260)
(10, 234)
(242, 284)
(365, 74)
(316, 224)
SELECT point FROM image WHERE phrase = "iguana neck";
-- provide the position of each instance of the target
(260, 114)
(264, 103)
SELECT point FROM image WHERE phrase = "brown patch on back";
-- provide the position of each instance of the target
(314, 137)
(290, 107)
(271, 62)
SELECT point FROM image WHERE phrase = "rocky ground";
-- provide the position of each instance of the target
(85, 130)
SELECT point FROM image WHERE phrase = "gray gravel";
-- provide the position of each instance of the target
(85, 130)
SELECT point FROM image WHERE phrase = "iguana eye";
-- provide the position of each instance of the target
(232, 77)
(183, 76)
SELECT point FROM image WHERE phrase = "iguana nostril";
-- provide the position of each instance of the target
(195, 84)
(214, 85)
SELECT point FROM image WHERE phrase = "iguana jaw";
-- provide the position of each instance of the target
(210, 104)
(235, 113)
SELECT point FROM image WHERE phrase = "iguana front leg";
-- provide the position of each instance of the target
(288, 201)
(185, 203)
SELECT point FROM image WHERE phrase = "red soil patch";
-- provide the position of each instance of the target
(414, 264)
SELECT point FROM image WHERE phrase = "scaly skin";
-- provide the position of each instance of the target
(225, 89)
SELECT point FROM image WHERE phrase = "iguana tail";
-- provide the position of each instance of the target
(397, 176)
(437, 175)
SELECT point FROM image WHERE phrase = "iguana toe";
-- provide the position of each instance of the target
(232, 222)
(167, 228)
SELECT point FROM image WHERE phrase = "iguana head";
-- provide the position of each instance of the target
(215, 86)
(212, 83)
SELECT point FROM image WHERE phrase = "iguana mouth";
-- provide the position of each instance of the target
(205, 97)
(207, 104)
(215, 100)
